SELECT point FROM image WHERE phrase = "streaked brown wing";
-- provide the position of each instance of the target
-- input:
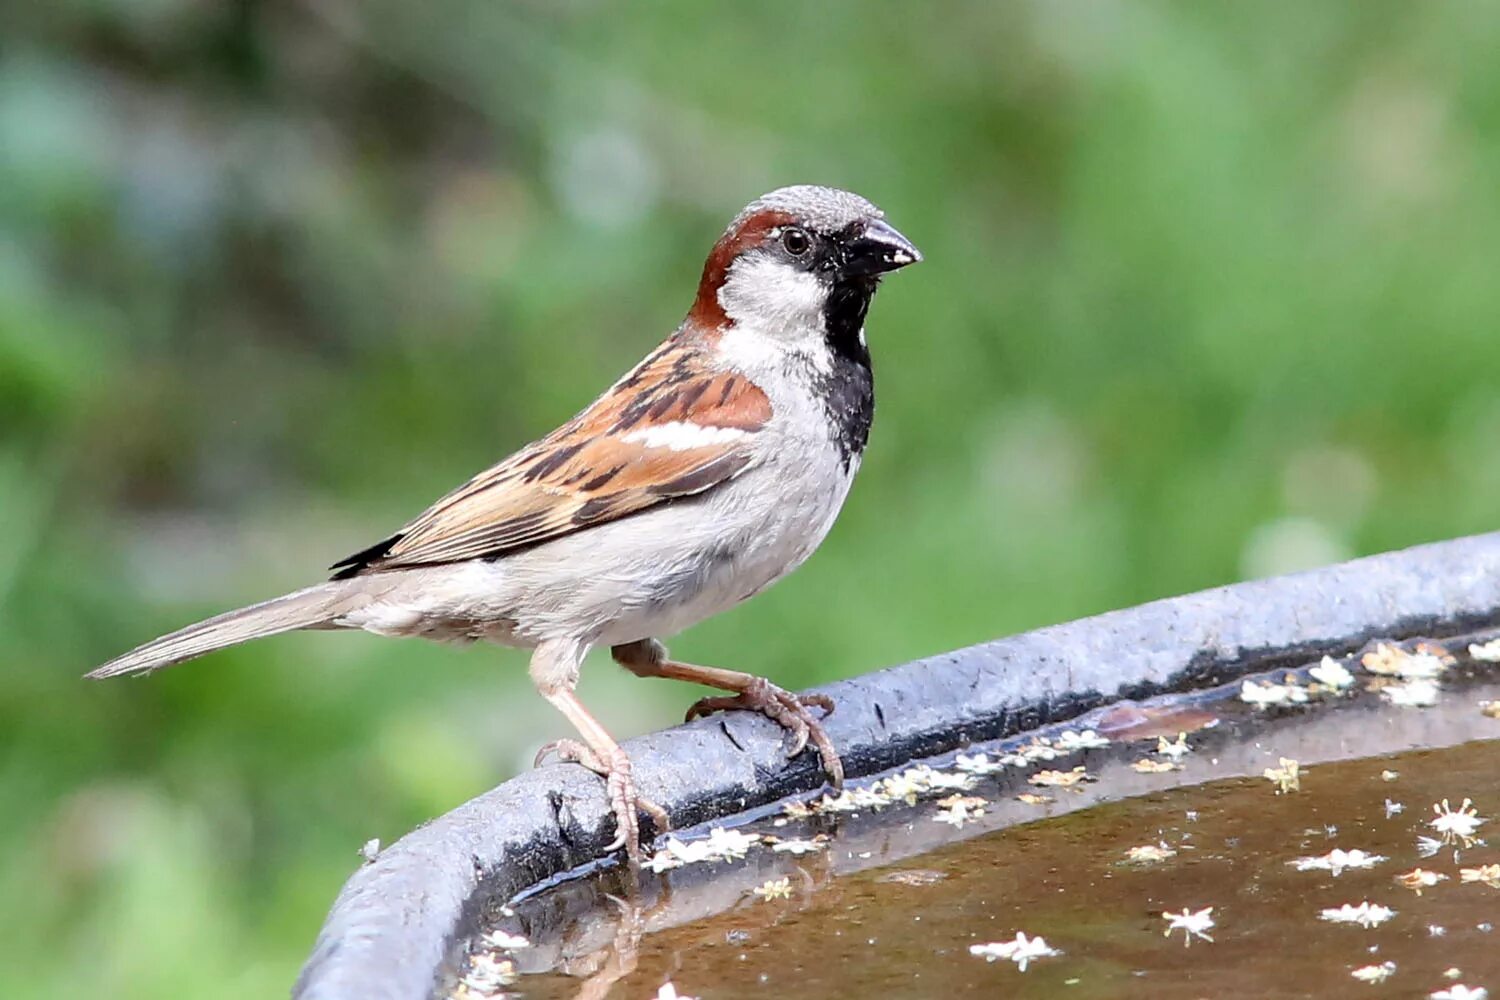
(671, 428)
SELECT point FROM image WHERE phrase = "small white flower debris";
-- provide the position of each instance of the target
(1420, 878)
(1458, 991)
(957, 801)
(917, 780)
(1022, 950)
(1428, 846)
(1393, 808)
(1490, 709)
(945, 780)
(1087, 740)
(1489, 652)
(1038, 748)
(1150, 853)
(488, 974)
(1438, 651)
(1486, 874)
(913, 876)
(1332, 674)
(1375, 973)
(730, 844)
(1456, 824)
(1061, 779)
(669, 992)
(676, 854)
(977, 764)
(1425, 663)
(1193, 923)
(503, 941)
(1337, 861)
(1265, 694)
(1392, 661)
(801, 846)
(904, 787)
(1389, 775)
(1173, 749)
(776, 888)
(1412, 694)
(798, 809)
(1148, 766)
(1366, 914)
(720, 845)
(1287, 777)
(960, 809)
(1433, 930)
(370, 849)
(1033, 799)
(852, 800)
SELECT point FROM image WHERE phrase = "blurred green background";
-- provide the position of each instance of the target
(1210, 293)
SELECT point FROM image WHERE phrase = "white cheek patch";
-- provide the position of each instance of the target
(768, 293)
(681, 435)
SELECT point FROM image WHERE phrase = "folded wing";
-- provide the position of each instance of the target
(672, 428)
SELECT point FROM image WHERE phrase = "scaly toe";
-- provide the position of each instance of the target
(570, 752)
(816, 700)
(790, 711)
(708, 706)
(619, 786)
(623, 801)
(810, 728)
(659, 818)
(833, 764)
(800, 731)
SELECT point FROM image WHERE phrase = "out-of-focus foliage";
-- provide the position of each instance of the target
(1210, 292)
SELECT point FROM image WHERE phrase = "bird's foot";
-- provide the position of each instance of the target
(791, 711)
(619, 785)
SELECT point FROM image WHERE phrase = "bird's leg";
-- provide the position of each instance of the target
(574, 752)
(619, 960)
(554, 669)
(648, 658)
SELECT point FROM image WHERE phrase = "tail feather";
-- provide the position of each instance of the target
(309, 608)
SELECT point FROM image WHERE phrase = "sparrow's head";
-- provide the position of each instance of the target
(800, 262)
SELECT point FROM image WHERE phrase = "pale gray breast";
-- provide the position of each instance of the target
(745, 536)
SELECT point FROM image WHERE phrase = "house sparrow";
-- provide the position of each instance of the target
(709, 472)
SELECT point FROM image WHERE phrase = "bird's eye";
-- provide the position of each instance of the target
(796, 241)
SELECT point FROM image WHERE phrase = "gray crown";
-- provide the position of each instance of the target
(825, 209)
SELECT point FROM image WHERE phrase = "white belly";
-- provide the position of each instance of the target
(648, 575)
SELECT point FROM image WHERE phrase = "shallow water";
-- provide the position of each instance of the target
(892, 907)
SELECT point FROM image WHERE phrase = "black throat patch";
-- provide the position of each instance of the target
(848, 391)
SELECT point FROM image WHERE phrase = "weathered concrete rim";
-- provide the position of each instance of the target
(391, 930)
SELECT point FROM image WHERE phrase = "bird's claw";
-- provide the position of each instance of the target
(619, 786)
(790, 711)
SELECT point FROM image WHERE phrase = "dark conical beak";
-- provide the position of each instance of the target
(880, 248)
